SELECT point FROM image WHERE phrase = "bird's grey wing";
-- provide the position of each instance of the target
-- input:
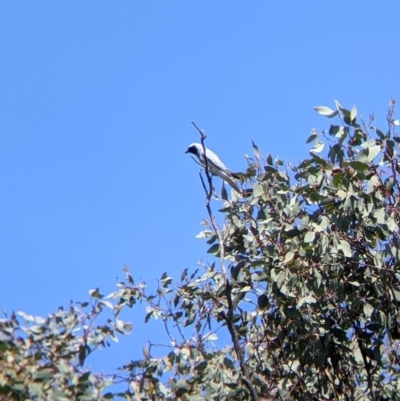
(238, 176)
(216, 167)
(215, 162)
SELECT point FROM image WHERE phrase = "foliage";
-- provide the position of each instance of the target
(43, 358)
(301, 302)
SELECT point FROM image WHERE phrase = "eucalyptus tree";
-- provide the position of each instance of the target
(300, 300)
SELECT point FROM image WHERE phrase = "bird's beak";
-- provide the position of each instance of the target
(187, 151)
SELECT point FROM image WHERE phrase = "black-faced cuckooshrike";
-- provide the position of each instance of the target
(214, 164)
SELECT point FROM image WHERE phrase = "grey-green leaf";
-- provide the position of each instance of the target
(325, 111)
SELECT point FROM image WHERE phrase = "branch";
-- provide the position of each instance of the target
(209, 191)
(208, 199)
(228, 317)
(367, 365)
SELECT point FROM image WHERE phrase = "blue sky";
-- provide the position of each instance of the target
(95, 110)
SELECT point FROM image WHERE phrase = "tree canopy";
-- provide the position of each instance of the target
(300, 300)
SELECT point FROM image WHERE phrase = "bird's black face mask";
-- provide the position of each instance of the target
(192, 149)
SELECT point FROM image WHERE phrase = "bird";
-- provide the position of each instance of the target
(214, 164)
